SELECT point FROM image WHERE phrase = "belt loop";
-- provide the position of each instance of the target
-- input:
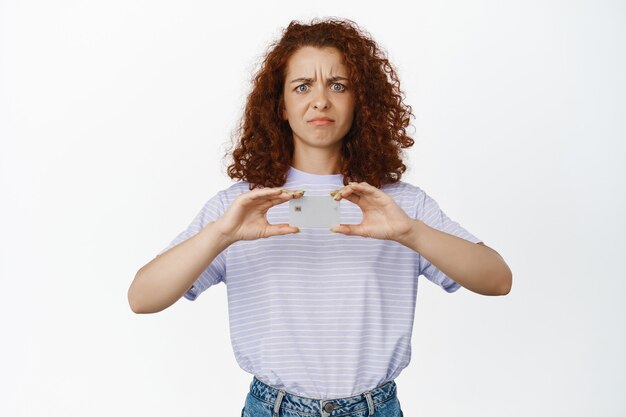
(370, 402)
(279, 399)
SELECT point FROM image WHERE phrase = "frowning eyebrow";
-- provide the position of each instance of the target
(308, 80)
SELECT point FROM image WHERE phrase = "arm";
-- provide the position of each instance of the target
(162, 281)
(476, 267)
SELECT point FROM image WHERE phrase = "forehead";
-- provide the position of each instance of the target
(308, 61)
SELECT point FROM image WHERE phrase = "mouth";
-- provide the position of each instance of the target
(321, 121)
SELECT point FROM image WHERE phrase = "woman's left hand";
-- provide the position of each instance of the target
(382, 217)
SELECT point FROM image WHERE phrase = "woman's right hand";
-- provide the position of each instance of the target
(245, 217)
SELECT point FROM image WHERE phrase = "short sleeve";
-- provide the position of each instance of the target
(428, 211)
(214, 273)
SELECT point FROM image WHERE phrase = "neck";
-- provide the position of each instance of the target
(317, 161)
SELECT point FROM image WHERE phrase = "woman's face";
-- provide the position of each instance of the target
(318, 97)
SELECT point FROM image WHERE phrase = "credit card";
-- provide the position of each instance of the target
(314, 211)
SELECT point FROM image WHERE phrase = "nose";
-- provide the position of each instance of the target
(320, 101)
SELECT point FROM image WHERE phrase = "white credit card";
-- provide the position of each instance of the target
(314, 211)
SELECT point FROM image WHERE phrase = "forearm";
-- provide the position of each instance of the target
(162, 281)
(476, 267)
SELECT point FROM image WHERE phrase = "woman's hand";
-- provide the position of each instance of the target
(245, 217)
(382, 217)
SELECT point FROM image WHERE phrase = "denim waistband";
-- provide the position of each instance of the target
(281, 399)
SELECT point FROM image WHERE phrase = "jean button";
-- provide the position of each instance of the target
(328, 407)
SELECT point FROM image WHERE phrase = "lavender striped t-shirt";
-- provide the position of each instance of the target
(316, 313)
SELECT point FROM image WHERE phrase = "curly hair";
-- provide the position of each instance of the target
(371, 150)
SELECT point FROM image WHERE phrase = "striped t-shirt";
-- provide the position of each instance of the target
(316, 313)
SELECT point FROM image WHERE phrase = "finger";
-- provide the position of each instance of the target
(337, 194)
(334, 192)
(361, 190)
(363, 187)
(264, 193)
(294, 193)
(285, 196)
(347, 191)
(274, 196)
(278, 200)
(351, 197)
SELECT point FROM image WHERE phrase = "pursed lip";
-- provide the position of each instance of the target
(321, 121)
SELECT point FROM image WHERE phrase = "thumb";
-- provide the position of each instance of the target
(346, 229)
(282, 229)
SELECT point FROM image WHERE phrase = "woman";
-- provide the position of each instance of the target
(322, 320)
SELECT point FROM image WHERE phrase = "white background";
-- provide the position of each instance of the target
(114, 119)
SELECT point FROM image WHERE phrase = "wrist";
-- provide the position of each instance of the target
(223, 238)
(413, 236)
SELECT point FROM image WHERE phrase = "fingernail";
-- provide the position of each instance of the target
(294, 192)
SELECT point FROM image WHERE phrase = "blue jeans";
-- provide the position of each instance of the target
(266, 401)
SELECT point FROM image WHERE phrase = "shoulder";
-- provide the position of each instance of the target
(236, 188)
(403, 189)
(221, 199)
(227, 195)
(408, 196)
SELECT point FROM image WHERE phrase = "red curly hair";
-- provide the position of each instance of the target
(371, 150)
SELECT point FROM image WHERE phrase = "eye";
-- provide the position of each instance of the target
(300, 90)
(341, 87)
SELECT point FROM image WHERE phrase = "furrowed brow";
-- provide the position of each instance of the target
(308, 80)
